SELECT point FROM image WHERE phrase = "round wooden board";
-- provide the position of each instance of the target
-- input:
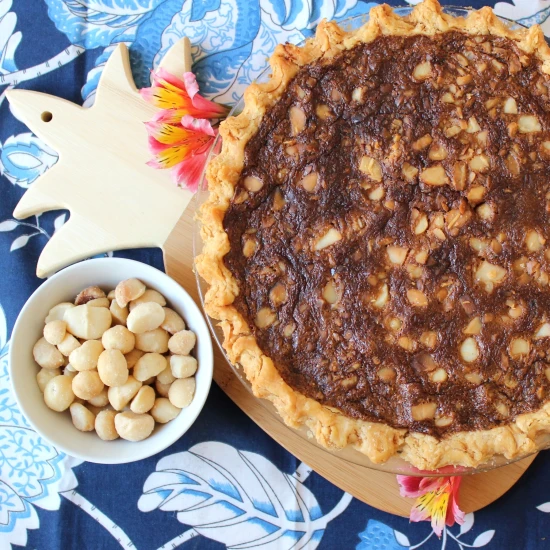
(375, 488)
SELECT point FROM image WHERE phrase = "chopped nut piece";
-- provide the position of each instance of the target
(278, 200)
(386, 374)
(543, 331)
(434, 175)
(528, 124)
(329, 238)
(455, 219)
(406, 343)
(289, 329)
(519, 347)
(422, 71)
(469, 350)
(371, 167)
(415, 271)
(473, 377)
(323, 111)
(397, 254)
(438, 234)
(463, 80)
(278, 294)
(382, 298)
(422, 142)
(421, 224)
(421, 257)
(534, 241)
(309, 182)
(486, 211)
(480, 163)
(502, 409)
(297, 119)
(475, 194)
(443, 421)
(512, 164)
(253, 184)
(395, 323)
(265, 317)
(510, 106)
(473, 126)
(437, 152)
(447, 98)
(429, 339)
(330, 293)
(357, 94)
(377, 194)
(349, 382)
(249, 247)
(439, 376)
(410, 172)
(459, 176)
(424, 411)
(417, 297)
(453, 131)
(474, 326)
(489, 274)
(424, 362)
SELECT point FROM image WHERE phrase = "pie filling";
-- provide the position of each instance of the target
(389, 233)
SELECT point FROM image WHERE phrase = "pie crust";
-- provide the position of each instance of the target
(328, 425)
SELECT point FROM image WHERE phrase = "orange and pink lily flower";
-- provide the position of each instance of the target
(436, 500)
(180, 134)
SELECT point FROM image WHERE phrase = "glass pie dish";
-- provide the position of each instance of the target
(394, 464)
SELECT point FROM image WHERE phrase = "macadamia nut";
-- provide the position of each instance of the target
(128, 290)
(54, 332)
(134, 427)
(181, 392)
(132, 357)
(163, 411)
(112, 368)
(57, 312)
(105, 425)
(166, 376)
(43, 376)
(88, 322)
(120, 338)
(58, 393)
(149, 365)
(172, 321)
(100, 400)
(68, 345)
(162, 389)
(144, 400)
(120, 314)
(85, 357)
(47, 355)
(145, 317)
(183, 366)
(87, 384)
(88, 294)
(148, 296)
(120, 396)
(182, 342)
(83, 419)
(153, 341)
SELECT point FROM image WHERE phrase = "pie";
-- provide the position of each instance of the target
(376, 237)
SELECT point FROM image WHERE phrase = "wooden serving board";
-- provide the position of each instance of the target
(117, 202)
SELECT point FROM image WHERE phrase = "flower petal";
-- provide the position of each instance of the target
(409, 486)
(197, 125)
(188, 173)
(169, 134)
(209, 109)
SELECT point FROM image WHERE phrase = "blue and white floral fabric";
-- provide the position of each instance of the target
(225, 484)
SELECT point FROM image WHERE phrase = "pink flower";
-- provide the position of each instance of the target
(179, 134)
(433, 496)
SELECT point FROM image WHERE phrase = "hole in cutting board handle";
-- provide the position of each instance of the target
(46, 116)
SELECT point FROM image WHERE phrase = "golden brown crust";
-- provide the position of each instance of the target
(330, 427)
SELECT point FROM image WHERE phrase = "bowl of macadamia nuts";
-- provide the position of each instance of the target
(111, 360)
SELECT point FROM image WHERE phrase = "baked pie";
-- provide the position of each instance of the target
(377, 242)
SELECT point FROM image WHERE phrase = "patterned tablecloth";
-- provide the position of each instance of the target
(226, 483)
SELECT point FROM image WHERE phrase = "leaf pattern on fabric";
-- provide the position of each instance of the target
(238, 498)
(24, 157)
(9, 38)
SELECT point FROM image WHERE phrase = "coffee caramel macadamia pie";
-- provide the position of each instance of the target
(377, 237)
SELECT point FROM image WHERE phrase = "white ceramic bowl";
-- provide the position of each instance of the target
(56, 427)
